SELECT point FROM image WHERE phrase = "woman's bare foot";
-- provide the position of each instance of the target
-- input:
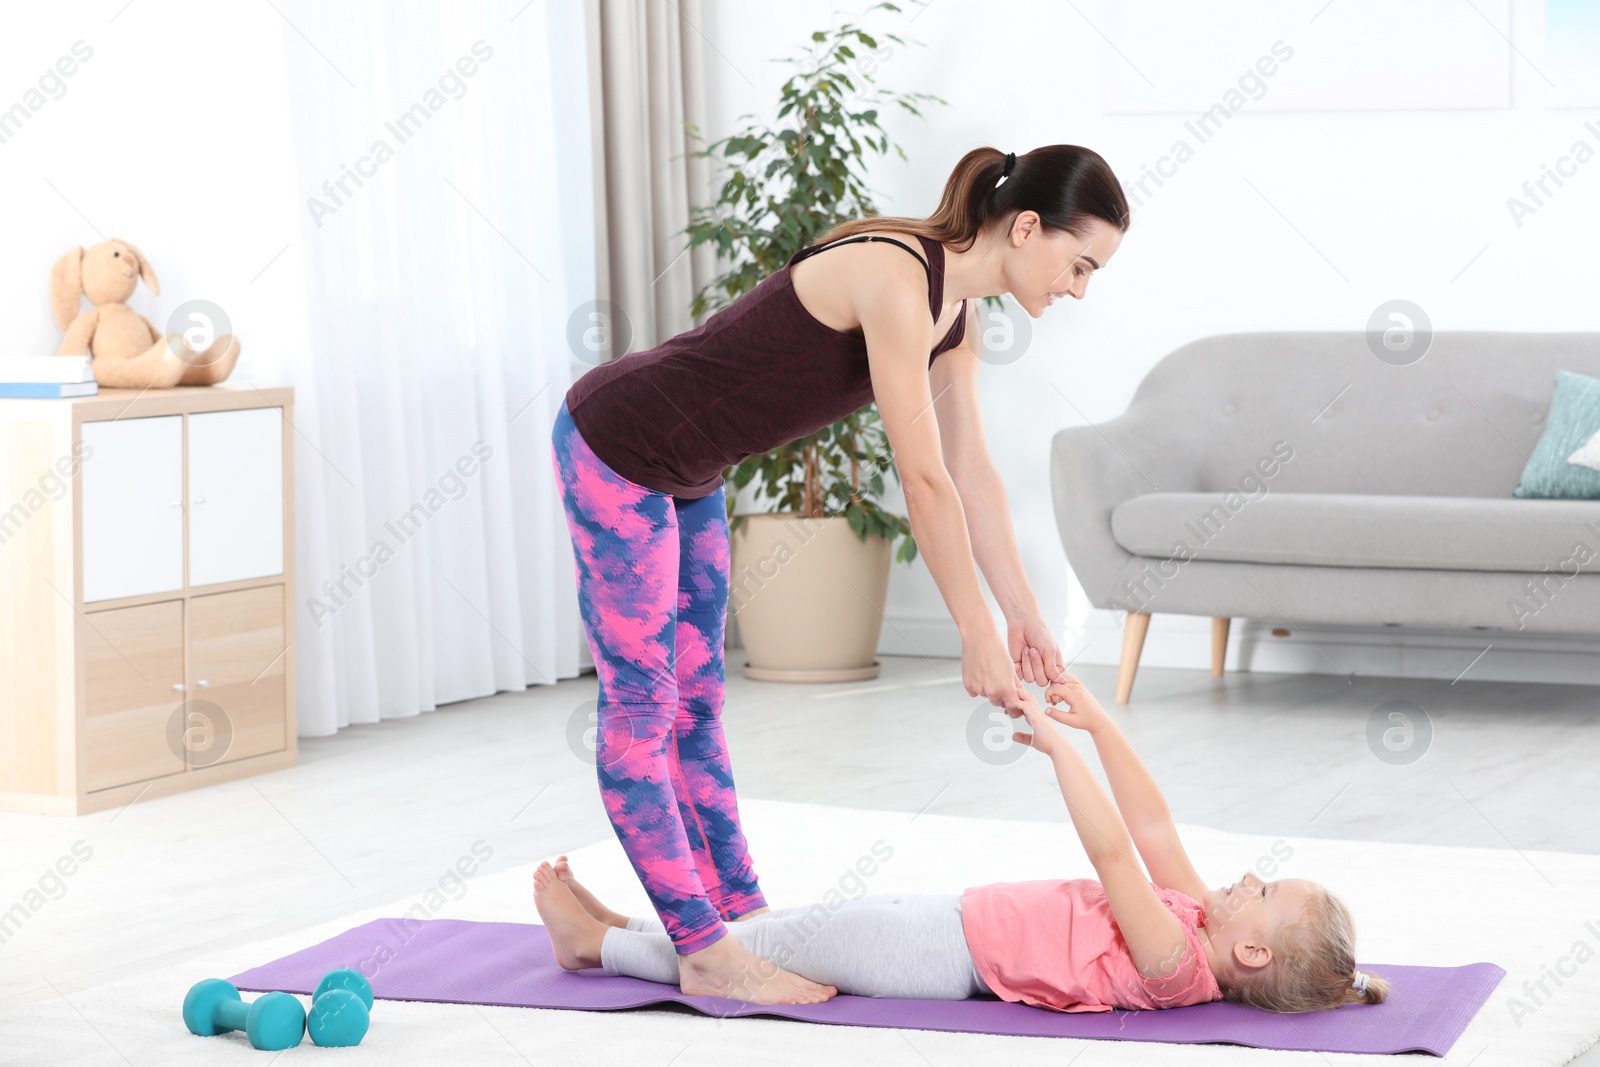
(590, 902)
(728, 969)
(575, 935)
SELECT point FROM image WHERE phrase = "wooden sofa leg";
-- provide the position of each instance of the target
(1219, 645)
(1133, 631)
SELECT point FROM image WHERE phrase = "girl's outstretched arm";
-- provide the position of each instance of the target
(1155, 937)
(1143, 807)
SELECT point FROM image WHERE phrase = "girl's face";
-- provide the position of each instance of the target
(1045, 266)
(1251, 909)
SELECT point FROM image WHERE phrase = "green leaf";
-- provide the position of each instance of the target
(857, 518)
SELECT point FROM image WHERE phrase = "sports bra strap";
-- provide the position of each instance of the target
(874, 237)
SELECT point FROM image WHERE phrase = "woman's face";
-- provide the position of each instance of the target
(1048, 265)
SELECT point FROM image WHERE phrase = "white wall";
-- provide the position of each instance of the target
(1400, 203)
(173, 135)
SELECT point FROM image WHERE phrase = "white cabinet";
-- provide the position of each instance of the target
(235, 495)
(132, 507)
(133, 501)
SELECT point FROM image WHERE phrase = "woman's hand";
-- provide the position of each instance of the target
(1083, 711)
(987, 671)
(1033, 650)
(1045, 737)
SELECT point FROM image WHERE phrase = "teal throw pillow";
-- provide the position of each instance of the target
(1574, 418)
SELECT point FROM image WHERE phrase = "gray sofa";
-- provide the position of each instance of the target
(1296, 477)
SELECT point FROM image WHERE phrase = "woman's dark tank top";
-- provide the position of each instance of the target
(757, 374)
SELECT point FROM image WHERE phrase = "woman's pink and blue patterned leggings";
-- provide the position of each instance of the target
(653, 592)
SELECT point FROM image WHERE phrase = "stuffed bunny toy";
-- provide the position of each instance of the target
(126, 351)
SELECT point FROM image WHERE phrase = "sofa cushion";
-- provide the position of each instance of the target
(1354, 530)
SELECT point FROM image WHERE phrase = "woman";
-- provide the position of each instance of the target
(640, 444)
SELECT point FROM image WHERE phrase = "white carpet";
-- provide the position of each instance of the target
(1412, 904)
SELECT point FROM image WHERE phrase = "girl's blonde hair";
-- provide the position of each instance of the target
(1313, 964)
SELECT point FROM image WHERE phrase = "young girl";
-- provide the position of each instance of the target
(1067, 945)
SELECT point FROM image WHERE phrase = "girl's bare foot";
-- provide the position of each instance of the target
(725, 969)
(728, 969)
(590, 902)
(575, 935)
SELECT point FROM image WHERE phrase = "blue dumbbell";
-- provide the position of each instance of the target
(341, 1009)
(272, 1022)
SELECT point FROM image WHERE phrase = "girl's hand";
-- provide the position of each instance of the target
(1045, 737)
(1082, 712)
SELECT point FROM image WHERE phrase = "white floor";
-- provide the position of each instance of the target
(383, 813)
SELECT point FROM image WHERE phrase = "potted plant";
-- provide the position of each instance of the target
(809, 577)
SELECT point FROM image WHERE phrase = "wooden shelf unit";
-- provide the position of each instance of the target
(146, 594)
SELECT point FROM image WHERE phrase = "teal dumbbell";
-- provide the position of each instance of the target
(341, 1009)
(272, 1022)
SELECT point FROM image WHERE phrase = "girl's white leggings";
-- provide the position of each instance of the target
(880, 945)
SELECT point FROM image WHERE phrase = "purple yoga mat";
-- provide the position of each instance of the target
(510, 964)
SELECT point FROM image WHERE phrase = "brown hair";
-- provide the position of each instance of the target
(1313, 964)
(1067, 185)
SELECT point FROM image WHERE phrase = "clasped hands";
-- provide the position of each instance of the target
(1036, 659)
(1081, 712)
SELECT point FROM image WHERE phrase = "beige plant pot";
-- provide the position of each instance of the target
(808, 595)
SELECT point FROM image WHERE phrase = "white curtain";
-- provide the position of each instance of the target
(443, 153)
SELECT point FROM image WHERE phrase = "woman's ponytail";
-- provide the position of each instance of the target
(970, 195)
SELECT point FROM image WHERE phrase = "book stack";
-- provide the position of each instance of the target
(47, 377)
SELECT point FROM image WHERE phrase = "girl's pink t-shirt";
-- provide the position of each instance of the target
(1055, 944)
